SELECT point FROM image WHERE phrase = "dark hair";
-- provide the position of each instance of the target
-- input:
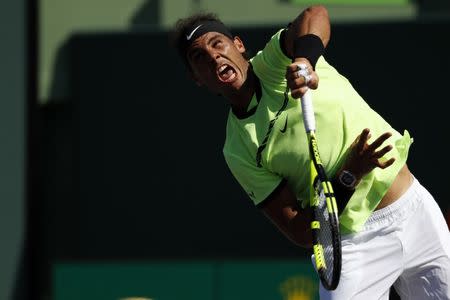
(179, 31)
(182, 25)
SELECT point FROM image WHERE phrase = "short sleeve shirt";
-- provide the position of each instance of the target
(271, 144)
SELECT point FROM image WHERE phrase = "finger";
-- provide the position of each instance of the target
(300, 69)
(291, 75)
(314, 81)
(295, 81)
(292, 68)
(292, 72)
(362, 140)
(300, 81)
(380, 140)
(385, 164)
(382, 152)
(305, 74)
(298, 93)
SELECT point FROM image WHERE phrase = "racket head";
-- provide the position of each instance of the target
(325, 223)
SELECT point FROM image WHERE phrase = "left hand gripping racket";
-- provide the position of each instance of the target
(325, 222)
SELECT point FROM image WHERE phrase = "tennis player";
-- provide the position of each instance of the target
(393, 232)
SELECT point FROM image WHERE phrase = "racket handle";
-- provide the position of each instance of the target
(307, 106)
(308, 112)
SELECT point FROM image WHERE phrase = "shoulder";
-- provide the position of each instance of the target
(270, 63)
(272, 52)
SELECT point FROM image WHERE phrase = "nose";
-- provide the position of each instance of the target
(213, 55)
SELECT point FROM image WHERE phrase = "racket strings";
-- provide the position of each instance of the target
(325, 236)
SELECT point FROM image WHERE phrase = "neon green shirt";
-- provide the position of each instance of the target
(275, 130)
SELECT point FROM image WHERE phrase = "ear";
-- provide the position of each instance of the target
(239, 44)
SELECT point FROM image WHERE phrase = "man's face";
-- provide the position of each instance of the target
(217, 63)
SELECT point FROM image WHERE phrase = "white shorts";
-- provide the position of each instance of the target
(406, 244)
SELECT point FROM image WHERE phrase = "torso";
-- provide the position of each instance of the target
(400, 185)
(271, 144)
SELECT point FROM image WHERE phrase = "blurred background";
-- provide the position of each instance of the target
(109, 189)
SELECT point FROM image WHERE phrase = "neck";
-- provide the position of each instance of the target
(241, 99)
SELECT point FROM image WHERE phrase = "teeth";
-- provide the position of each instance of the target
(223, 67)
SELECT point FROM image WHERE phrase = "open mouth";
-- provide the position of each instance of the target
(226, 73)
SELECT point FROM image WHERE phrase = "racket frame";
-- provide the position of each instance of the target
(319, 181)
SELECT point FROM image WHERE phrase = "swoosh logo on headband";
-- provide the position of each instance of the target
(188, 37)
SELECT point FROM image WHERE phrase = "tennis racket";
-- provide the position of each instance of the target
(325, 222)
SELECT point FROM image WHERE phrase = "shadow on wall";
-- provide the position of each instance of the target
(59, 86)
(147, 14)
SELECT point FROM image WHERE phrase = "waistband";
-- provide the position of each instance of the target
(398, 210)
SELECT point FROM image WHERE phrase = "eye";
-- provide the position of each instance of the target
(217, 43)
